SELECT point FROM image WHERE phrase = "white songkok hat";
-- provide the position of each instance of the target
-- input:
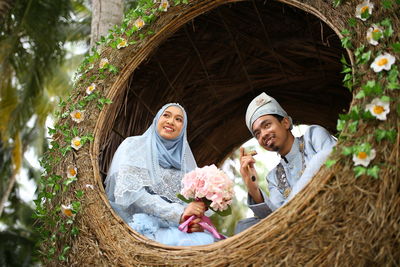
(262, 105)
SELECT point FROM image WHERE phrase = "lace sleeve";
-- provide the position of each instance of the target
(128, 181)
(127, 192)
(157, 206)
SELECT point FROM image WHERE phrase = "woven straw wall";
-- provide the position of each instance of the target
(335, 220)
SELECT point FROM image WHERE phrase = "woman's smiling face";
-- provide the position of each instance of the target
(170, 123)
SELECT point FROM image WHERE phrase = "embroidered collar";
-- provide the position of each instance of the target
(293, 153)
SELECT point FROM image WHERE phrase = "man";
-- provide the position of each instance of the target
(301, 157)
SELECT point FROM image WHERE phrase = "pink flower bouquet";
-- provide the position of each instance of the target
(212, 186)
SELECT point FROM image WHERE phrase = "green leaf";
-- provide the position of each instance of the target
(345, 32)
(385, 134)
(393, 85)
(346, 42)
(226, 212)
(376, 35)
(346, 69)
(56, 187)
(75, 131)
(353, 126)
(365, 57)
(336, 3)
(396, 47)
(330, 162)
(385, 98)
(112, 69)
(344, 61)
(364, 147)
(387, 4)
(64, 251)
(76, 205)
(51, 131)
(393, 74)
(360, 94)
(372, 87)
(69, 181)
(79, 193)
(386, 22)
(388, 27)
(75, 230)
(347, 150)
(365, 14)
(359, 51)
(388, 32)
(347, 77)
(181, 197)
(352, 22)
(340, 124)
(359, 170)
(374, 171)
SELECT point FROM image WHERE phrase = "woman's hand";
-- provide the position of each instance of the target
(196, 208)
(194, 226)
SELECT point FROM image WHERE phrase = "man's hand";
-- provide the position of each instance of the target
(249, 174)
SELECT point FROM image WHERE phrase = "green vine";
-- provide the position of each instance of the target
(385, 79)
(68, 138)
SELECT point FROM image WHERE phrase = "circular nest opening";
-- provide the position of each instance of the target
(213, 57)
(216, 63)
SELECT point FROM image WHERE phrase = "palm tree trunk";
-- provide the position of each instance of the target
(10, 186)
(5, 5)
(105, 14)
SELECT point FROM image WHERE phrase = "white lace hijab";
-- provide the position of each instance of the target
(136, 163)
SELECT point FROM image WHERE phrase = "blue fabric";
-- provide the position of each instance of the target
(143, 180)
(166, 232)
(169, 151)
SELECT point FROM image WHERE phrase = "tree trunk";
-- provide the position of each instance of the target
(7, 193)
(5, 5)
(105, 14)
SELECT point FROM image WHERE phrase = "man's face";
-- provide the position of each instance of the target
(271, 133)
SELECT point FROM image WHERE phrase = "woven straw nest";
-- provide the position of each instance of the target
(213, 57)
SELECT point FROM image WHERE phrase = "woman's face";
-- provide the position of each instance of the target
(170, 123)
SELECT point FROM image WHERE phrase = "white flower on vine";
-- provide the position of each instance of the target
(67, 210)
(365, 6)
(363, 158)
(139, 23)
(383, 62)
(77, 116)
(164, 5)
(378, 108)
(72, 171)
(90, 88)
(76, 143)
(123, 43)
(374, 31)
(103, 63)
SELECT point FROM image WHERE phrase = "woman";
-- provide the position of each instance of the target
(145, 177)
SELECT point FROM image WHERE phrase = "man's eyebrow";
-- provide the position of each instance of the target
(264, 121)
